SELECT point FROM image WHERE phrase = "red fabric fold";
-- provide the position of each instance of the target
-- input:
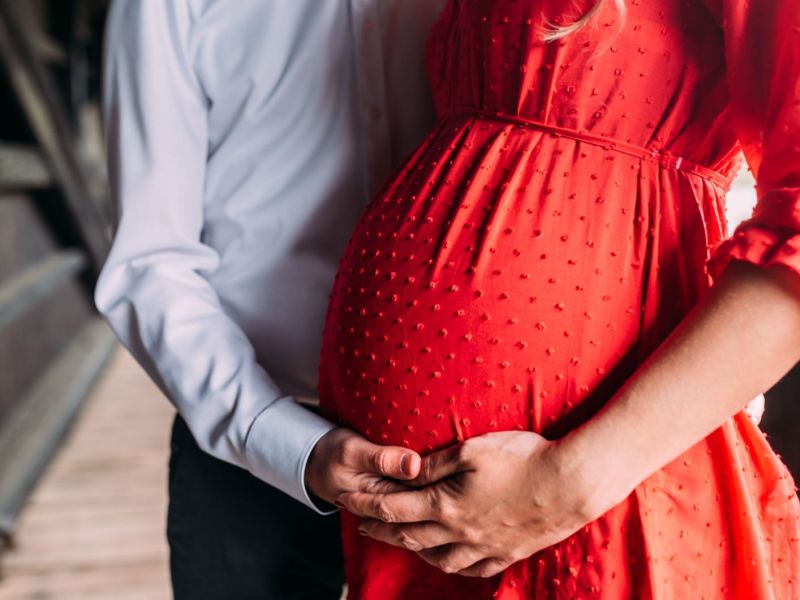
(759, 245)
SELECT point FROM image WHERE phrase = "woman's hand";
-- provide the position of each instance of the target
(485, 504)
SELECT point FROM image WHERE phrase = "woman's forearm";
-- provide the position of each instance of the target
(736, 343)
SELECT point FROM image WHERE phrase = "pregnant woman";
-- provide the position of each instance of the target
(521, 271)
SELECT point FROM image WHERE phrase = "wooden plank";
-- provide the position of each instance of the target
(39, 100)
(34, 283)
(31, 435)
(94, 530)
(141, 581)
(136, 537)
(22, 168)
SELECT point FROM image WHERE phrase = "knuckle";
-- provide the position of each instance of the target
(482, 571)
(465, 456)
(465, 448)
(490, 570)
(470, 535)
(469, 452)
(500, 566)
(447, 511)
(380, 461)
(385, 514)
(347, 450)
(409, 542)
(428, 469)
(447, 565)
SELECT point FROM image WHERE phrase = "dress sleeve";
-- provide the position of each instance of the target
(762, 44)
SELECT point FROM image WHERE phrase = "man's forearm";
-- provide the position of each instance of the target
(736, 343)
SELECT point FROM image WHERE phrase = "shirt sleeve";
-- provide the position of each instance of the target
(154, 288)
(762, 43)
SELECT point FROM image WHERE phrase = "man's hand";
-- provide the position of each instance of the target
(344, 461)
(485, 504)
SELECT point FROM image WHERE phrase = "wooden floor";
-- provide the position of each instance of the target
(94, 528)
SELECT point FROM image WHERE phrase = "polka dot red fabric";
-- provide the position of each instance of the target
(562, 218)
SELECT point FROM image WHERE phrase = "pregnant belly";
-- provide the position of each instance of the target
(423, 356)
(464, 312)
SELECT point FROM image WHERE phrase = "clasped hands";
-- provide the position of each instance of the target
(472, 509)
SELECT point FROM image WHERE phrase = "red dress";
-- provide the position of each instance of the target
(562, 218)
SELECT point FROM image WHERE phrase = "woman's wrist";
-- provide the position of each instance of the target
(601, 469)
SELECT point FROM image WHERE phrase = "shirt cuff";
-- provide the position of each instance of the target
(279, 443)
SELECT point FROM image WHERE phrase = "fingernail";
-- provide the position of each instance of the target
(404, 466)
(362, 531)
(339, 504)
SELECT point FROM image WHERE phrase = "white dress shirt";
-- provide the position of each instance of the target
(244, 138)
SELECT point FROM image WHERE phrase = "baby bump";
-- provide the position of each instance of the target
(464, 304)
(428, 341)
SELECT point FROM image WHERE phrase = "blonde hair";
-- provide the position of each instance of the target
(554, 32)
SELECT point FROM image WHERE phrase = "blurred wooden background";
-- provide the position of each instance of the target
(53, 231)
(93, 528)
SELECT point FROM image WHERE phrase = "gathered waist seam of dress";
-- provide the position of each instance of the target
(662, 158)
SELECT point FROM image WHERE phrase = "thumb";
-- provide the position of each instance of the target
(391, 461)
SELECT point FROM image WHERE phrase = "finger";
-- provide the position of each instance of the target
(373, 484)
(400, 507)
(438, 465)
(414, 536)
(389, 461)
(452, 558)
(488, 567)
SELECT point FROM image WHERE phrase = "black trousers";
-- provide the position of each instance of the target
(233, 537)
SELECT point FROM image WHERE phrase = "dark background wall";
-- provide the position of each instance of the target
(781, 420)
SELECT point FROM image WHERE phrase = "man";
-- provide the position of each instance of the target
(243, 138)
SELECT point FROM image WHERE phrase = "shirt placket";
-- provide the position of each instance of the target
(367, 29)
